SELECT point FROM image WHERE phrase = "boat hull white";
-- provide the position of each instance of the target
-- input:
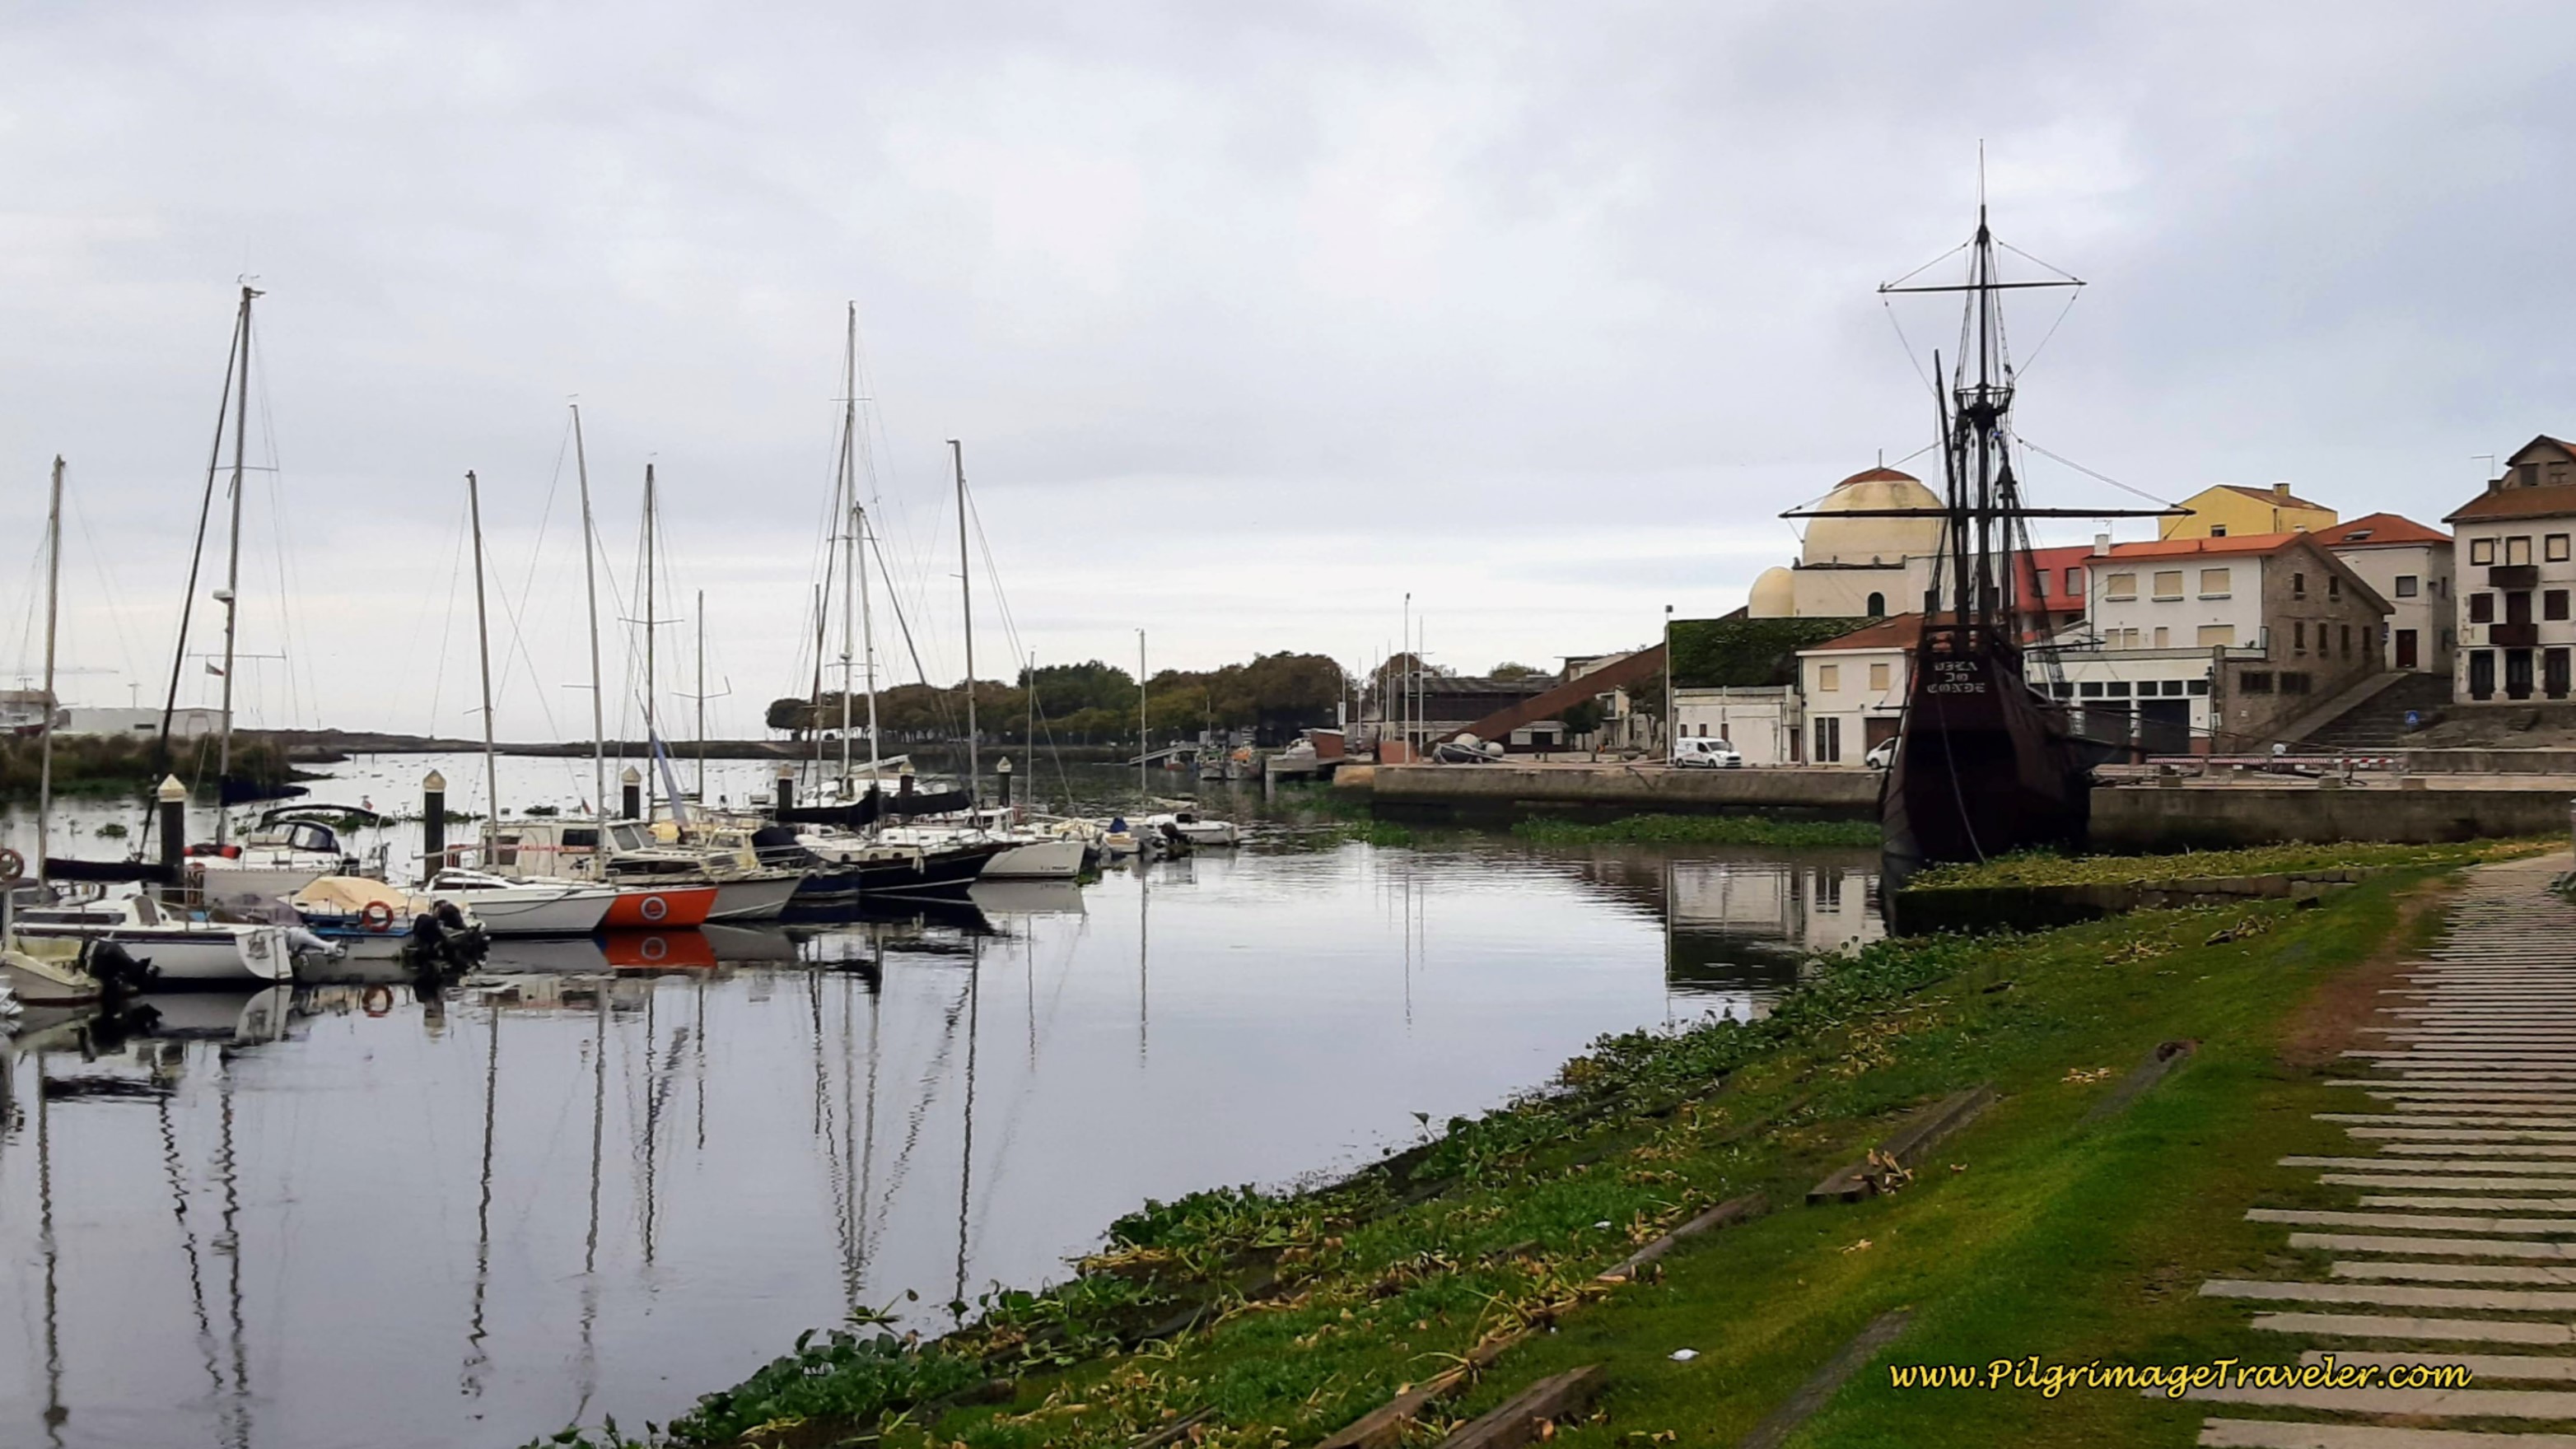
(1037, 860)
(754, 900)
(180, 956)
(534, 910)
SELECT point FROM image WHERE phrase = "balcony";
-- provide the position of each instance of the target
(2513, 636)
(2513, 576)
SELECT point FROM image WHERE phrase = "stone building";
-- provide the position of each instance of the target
(2512, 543)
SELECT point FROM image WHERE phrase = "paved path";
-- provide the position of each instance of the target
(2453, 1240)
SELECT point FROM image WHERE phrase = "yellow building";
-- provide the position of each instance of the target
(2228, 509)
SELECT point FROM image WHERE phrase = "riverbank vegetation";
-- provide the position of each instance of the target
(95, 766)
(2054, 1225)
(1701, 830)
(2049, 868)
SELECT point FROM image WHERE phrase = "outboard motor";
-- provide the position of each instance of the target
(441, 941)
(115, 969)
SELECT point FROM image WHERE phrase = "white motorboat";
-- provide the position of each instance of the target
(181, 945)
(508, 907)
(1025, 855)
(285, 852)
(1198, 831)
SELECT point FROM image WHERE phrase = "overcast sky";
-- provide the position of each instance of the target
(1251, 321)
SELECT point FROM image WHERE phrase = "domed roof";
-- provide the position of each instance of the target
(1873, 540)
(1774, 595)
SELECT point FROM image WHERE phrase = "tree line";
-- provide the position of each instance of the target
(1274, 695)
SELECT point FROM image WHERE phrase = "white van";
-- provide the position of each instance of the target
(1706, 754)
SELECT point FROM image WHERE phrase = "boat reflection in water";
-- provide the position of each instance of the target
(603, 1176)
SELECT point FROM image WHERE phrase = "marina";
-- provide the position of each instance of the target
(604, 1172)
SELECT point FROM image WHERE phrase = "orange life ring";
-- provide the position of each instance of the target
(377, 1001)
(377, 917)
(12, 864)
(654, 908)
(655, 948)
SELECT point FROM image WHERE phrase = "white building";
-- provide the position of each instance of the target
(2409, 565)
(2515, 633)
(185, 723)
(1855, 689)
(1762, 723)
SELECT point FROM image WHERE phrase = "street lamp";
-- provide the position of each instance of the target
(1672, 711)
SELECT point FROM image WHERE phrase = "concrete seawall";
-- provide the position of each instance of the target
(1629, 789)
(2145, 818)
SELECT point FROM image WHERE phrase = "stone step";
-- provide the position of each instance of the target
(2418, 1330)
(2415, 1222)
(2460, 1134)
(2289, 1434)
(2531, 1367)
(2524, 1248)
(2448, 1184)
(2464, 1164)
(2429, 1119)
(2523, 1274)
(2492, 1149)
(2413, 1403)
(2394, 1295)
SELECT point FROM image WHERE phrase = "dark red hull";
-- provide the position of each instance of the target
(1983, 766)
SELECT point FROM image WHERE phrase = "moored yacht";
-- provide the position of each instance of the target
(182, 945)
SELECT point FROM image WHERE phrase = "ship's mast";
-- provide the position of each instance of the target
(231, 596)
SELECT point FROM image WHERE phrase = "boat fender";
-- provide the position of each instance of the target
(12, 864)
(379, 999)
(377, 917)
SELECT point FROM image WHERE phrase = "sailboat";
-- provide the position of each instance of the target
(1984, 762)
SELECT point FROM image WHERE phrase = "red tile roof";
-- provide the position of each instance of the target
(2379, 530)
(1902, 631)
(2549, 500)
(2258, 544)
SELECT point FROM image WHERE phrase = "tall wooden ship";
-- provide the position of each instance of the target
(1985, 763)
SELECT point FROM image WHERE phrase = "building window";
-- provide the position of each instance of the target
(2168, 584)
(2526, 475)
(2553, 603)
(1829, 678)
(2298, 636)
(2075, 583)
(2334, 586)
(2554, 547)
(2553, 673)
(2406, 586)
(2091, 688)
(2213, 583)
(2062, 690)
(1829, 740)
(2482, 608)
(2293, 683)
(2218, 530)
(2254, 681)
(2117, 689)
(2217, 635)
(2517, 550)
(2482, 550)
(1878, 606)
(2481, 674)
(2298, 586)
(2163, 637)
(1878, 677)
(2347, 641)
(2119, 588)
(2195, 686)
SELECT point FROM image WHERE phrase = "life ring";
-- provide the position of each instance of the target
(654, 948)
(378, 1000)
(377, 917)
(12, 864)
(654, 908)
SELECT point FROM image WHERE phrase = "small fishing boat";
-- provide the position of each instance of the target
(1196, 830)
(371, 921)
(287, 849)
(183, 946)
(506, 907)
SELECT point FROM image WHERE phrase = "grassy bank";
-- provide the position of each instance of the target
(1282, 1317)
(2046, 868)
(113, 765)
(1702, 830)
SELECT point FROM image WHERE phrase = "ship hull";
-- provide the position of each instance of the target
(1983, 767)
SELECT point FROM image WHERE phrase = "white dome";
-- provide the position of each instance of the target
(1873, 540)
(1774, 595)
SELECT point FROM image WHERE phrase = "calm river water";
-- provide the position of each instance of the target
(587, 1183)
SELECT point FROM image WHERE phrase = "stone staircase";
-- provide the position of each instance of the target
(2379, 722)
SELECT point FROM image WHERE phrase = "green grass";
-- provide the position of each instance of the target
(2070, 1241)
(1702, 830)
(2041, 868)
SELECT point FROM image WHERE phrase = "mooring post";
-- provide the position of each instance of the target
(903, 783)
(1002, 777)
(433, 824)
(787, 787)
(172, 801)
(632, 789)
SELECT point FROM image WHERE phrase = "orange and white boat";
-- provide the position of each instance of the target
(659, 908)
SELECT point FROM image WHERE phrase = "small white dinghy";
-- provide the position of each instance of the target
(184, 947)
